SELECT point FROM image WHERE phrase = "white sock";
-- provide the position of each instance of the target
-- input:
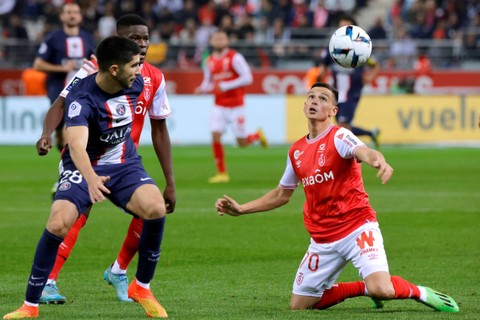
(50, 281)
(423, 294)
(116, 268)
(30, 304)
(143, 285)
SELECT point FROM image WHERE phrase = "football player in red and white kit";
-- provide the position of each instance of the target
(226, 74)
(337, 214)
(153, 100)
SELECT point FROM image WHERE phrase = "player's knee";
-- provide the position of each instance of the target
(381, 291)
(58, 228)
(153, 211)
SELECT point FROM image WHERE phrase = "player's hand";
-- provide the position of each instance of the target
(385, 171)
(227, 205)
(44, 144)
(97, 189)
(91, 66)
(170, 198)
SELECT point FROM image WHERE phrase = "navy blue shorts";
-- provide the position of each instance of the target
(346, 111)
(124, 180)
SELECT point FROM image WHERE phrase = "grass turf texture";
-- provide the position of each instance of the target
(242, 268)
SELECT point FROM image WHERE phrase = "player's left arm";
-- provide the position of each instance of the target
(163, 149)
(244, 78)
(376, 160)
(371, 71)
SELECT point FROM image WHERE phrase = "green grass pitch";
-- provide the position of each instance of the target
(215, 267)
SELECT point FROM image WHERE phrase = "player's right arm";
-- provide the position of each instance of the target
(207, 84)
(52, 120)
(269, 201)
(57, 109)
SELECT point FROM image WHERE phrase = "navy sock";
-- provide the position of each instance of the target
(361, 132)
(43, 262)
(149, 248)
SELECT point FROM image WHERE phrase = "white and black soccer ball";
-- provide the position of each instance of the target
(350, 46)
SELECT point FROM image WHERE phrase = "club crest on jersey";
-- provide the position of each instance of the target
(120, 109)
(74, 109)
(146, 93)
(64, 186)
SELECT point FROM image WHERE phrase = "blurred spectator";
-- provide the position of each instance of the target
(107, 24)
(313, 74)
(15, 29)
(423, 65)
(189, 11)
(320, 15)
(377, 31)
(403, 51)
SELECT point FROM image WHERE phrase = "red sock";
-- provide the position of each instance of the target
(66, 246)
(251, 138)
(404, 289)
(339, 292)
(219, 157)
(130, 244)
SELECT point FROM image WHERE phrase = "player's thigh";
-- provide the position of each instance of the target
(147, 202)
(63, 214)
(238, 119)
(318, 271)
(364, 247)
(346, 111)
(218, 119)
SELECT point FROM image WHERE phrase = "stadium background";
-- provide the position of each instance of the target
(410, 101)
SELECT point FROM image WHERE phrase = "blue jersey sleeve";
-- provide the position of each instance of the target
(78, 113)
(45, 51)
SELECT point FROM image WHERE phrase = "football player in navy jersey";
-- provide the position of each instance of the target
(61, 54)
(100, 161)
(349, 83)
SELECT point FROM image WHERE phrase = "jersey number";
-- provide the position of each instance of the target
(72, 176)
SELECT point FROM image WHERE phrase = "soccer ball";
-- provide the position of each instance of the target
(350, 46)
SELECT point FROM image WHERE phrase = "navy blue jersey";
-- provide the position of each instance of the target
(348, 82)
(108, 118)
(59, 47)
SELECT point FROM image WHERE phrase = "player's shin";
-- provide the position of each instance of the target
(130, 244)
(149, 248)
(43, 262)
(339, 292)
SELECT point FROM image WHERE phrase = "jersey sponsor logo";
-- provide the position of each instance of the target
(147, 80)
(120, 119)
(115, 137)
(297, 154)
(365, 239)
(317, 178)
(74, 109)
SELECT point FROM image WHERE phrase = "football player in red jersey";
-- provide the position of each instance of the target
(337, 214)
(226, 74)
(153, 100)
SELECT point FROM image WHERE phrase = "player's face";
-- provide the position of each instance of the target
(140, 35)
(219, 41)
(127, 74)
(320, 104)
(71, 15)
